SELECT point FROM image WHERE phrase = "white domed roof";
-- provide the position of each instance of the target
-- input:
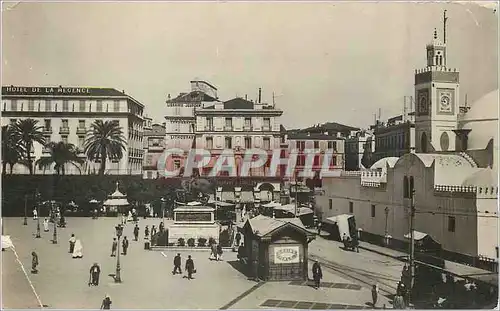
(381, 164)
(485, 108)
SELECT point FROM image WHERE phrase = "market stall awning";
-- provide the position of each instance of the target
(116, 202)
(335, 219)
(271, 204)
(417, 235)
(290, 208)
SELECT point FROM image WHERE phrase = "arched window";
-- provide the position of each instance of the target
(423, 143)
(405, 187)
(411, 187)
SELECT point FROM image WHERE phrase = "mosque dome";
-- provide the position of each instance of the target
(482, 120)
(381, 164)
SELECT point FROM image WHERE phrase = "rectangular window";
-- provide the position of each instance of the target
(316, 144)
(451, 223)
(48, 105)
(351, 208)
(210, 143)
(267, 123)
(13, 105)
(248, 123)
(81, 106)
(228, 143)
(65, 105)
(13, 121)
(373, 210)
(81, 124)
(267, 143)
(316, 160)
(302, 145)
(64, 139)
(116, 106)
(81, 142)
(65, 123)
(229, 122)
(330, 203)
(98, 106)
(31, 105)
(210, 124)
(405, 187)
(248, 142)
(47, 124)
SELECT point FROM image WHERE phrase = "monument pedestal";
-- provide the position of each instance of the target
(193, 222)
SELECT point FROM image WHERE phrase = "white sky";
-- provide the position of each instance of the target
(331, 61)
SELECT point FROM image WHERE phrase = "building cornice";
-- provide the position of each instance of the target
(68, 114)
(239, 112)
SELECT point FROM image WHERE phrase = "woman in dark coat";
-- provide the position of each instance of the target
(34, 262)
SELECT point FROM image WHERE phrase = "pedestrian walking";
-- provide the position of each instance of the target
(213, 251)
(238, 238)
(317, 274)
(219, 252)
(177, 264)
(45, 225)
(319, 228)
(106, 303)
(374, 295)
(125, 245)
(78, 250)
(190, 267)
(161, 227)
(136, 232)
(153, 230)
(114, 246)
(34, 263)
(146, 232)
(35, 214)
(95, 272)
(72, 241)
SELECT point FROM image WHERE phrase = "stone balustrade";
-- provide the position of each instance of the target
(481, 191)
(350, 173)
(374, 177)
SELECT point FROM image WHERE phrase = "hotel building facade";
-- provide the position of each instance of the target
(66, 114)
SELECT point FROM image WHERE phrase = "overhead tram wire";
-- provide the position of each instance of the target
(428, 209)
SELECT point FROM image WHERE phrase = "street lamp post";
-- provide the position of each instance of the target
(25, 210)
(163, 203)
(237, 195)
(218, 197)
(37, 202)
(119, 231)
(54, 236)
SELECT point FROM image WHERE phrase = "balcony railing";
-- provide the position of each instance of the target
(266, 128)
(47, 130)
(209, 128)
(64, 130)
(81, 130)
(228, 128)
(247, 128)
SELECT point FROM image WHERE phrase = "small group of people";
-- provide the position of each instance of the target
(215, 252)
(350, 242)
(189, 267)
(146, 232)
(114, 246)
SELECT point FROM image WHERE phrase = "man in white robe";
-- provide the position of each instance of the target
(46, 225)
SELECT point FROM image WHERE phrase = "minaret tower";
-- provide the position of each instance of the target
(437, 96)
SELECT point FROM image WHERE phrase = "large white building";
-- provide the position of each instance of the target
(454, 173)
(66, 114)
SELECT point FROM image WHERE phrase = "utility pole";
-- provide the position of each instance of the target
(412, 243)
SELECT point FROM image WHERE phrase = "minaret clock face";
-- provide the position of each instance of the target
(445, 101)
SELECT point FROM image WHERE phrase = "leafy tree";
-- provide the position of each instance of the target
(12, 151)
(105, 140)
(27, 132)
(60, 154)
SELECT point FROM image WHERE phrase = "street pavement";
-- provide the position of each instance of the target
(147, 279)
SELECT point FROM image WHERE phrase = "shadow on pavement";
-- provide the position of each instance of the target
(236, 265)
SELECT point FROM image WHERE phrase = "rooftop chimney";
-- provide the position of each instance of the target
(260, 95)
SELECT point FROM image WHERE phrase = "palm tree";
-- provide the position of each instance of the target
(60, 154)
(104, 141)
(11, 149)
(26, 132)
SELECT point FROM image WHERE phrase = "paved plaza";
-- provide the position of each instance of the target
(147, 279)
